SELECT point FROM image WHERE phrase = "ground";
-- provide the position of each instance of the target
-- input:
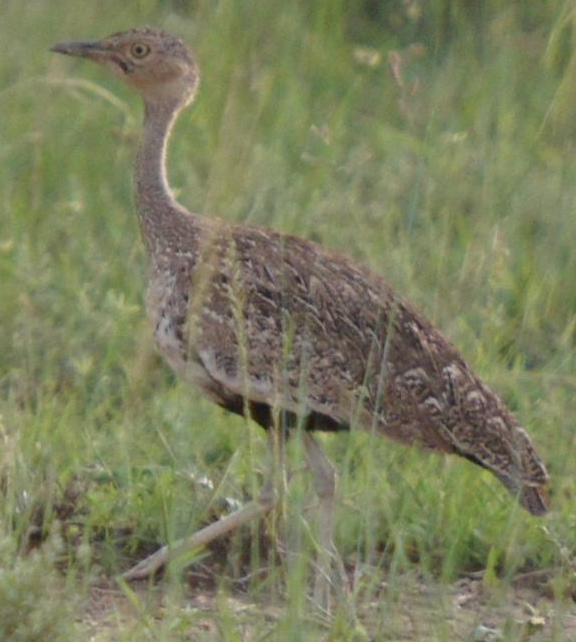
(412, 609)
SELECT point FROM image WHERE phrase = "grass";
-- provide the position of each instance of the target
(458, 187)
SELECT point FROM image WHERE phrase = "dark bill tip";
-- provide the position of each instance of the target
(82, 49)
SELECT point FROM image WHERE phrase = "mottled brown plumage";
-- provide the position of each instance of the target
(263, 322)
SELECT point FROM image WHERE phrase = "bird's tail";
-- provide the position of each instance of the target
(531, 497)
(534, 499)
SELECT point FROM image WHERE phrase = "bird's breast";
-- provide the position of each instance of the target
(166, 307)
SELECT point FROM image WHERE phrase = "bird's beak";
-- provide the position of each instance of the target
(92, 50)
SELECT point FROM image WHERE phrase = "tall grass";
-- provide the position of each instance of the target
(459, 187)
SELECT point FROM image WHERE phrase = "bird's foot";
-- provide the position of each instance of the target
(263, 504)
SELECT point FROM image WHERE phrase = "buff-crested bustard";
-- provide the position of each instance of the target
(283, 330)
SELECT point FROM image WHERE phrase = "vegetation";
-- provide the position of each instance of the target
(31, 603)
(432, 141)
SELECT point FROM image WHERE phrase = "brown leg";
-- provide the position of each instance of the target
(266, 500)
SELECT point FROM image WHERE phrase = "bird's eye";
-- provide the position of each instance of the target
(139, 50)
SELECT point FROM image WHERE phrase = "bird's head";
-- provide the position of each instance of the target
(156, 64)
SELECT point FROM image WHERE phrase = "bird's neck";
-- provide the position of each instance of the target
(159, 214)
(152, 189)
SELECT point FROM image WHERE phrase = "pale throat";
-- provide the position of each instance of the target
(152, 190)
(166, 227)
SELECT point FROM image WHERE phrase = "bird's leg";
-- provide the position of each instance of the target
(324, 477)
(278, 477)
(265, 501)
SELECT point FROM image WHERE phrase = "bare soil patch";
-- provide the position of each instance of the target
(411, 609)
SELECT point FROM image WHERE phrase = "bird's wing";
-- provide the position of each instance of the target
(290, 325)
(285, 323)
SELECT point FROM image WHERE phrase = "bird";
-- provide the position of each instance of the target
(281, 330)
